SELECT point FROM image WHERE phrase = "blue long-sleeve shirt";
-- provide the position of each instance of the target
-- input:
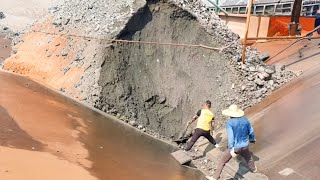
(240, 132)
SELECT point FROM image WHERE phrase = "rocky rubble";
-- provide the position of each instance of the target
(2, 16)
(255, 80)
(93, 18)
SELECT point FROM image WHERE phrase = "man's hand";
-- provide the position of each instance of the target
(233, 154)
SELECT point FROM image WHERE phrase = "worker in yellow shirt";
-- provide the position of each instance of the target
(205, 123)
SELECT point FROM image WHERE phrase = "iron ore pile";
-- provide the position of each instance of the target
(253, 80)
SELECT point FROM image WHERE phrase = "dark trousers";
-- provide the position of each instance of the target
(244, 152)
(197, 134)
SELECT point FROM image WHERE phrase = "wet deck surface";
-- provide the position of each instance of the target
(287, 123)
(298, 58)
(42, 119)
(287, 126)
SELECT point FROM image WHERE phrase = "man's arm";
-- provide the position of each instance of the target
(212, 124)
(195, 117)
(230, 136)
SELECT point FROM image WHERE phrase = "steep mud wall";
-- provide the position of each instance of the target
(163, 86)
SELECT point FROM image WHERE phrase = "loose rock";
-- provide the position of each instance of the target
(133, 123)
(259, 82)
(2, 16)
(264, 56)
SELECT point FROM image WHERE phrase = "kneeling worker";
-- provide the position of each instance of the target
(205, 123)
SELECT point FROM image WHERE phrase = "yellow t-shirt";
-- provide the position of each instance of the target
(205, 117)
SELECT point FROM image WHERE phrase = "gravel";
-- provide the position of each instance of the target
(94, 18)
(2, 16)
(266, 77)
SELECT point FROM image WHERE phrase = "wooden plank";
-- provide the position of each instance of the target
(182, 157)
(259, 23)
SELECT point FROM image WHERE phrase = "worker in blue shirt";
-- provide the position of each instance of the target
(240, 133)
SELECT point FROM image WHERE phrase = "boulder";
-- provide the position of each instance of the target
(261, 69)
(258, 94)
(140, 127)
(57, 22)
(260, 76)
(250, 78)
(259, 82)
(270, 70)
(133, 123)
(264, 90)
(264, 56)
(252, 69)
(64, 52)
(162, 99)
(271, 82)
(2, 16)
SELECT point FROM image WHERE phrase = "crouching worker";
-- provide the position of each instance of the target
(204, 125)
(240, 133)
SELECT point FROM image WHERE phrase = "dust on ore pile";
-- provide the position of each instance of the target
(156, 88)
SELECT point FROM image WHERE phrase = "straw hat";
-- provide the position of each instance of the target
(233, 111)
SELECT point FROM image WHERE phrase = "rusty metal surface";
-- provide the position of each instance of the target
(298, 58)
(287, 126)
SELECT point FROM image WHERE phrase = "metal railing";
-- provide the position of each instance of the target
(309, 8)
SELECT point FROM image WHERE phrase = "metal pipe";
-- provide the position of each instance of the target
(217, 6)
(279, 38)
(272, 38)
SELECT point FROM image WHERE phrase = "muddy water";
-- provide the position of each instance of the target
(116, 150)
(5, 47)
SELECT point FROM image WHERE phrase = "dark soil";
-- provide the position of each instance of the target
(163, 86)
